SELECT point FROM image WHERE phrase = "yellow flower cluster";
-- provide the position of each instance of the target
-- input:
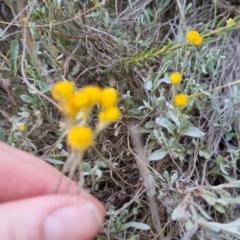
(194, 37)
(181, 99)
(77, 104)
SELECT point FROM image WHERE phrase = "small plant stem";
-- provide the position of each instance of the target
(65, 168)
(76, 161)
(216, 88)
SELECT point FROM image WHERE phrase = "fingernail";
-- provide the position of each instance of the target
(73, 222)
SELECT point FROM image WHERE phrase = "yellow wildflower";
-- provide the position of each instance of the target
(63, 90)
(108, 98)
(93, 92)
(21, 127)
(24, 19)
(80, 100)
(68, 109)
(175, 78)
(80, 138)
(109, 115)
(230, 21)
(194, 37)
(181, 99)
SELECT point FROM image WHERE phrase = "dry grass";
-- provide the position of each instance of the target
(100, 48)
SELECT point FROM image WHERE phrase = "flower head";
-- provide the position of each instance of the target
(194, 37)
(93, 92)
(24, 19)
(181, 99)
(80, 100)
(80, 138)
(108, 98)
(63, 90)
(230, 22)
(21, 127)
(175, 78)
(109, 115)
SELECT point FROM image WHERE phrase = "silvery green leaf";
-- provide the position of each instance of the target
(164, 122)
(148, 85)
(156, 133)
(166, 175)
(147, 104)
(101, 164)
(189, 225)
(223, 169)
(174, 177)
(192, 132)
(205, 153)
(178, 212)
(24, 114)
(149, 124)
(14, 53)
(86, 167)
(136, 225)
(158, 154)
(210, 200)
(26, 98)
(54, 161)
(173, 117)
(2, 134)
(219, 208)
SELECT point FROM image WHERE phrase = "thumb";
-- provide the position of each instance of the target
(52, 217)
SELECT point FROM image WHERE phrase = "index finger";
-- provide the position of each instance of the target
(24, 175)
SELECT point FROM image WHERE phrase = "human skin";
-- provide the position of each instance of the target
(29, 209)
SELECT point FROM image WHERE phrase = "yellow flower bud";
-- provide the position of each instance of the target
(63, 90)
(181, 100)
(175, 78)
(21, 127)
(230, 20)
(109, 115)
(80, 138)
(108, 98)
(24, 19)
(194, 37)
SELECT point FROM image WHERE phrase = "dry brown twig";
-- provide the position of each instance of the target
(148, 181)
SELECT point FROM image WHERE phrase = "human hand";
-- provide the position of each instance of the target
(30, 211)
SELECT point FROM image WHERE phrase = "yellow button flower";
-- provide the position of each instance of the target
(80, 138)
(175, 78)
(93, 92)
(63, 90)
(194, 37)
(80, 100)
(181, 100)
(229, 20)
(109, 115)
(69, 110)
(21, 127)
(108, 98)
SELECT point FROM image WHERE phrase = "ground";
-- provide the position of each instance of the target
(163, 171)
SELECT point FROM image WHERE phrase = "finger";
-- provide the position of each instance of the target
(24, 175)
(52, 217)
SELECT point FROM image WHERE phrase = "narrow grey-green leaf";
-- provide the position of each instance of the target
(136, 225)
(14, 53)
(158, 154)
(192, 132)
(164, 122)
